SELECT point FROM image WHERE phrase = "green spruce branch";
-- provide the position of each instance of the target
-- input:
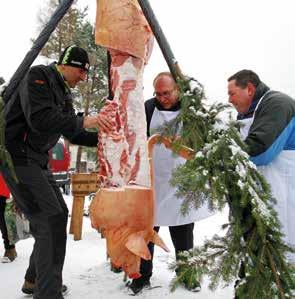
(5, 159)
(221, 173)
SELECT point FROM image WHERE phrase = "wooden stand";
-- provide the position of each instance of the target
(83, 184)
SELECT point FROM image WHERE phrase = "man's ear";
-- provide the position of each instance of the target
(251, 89)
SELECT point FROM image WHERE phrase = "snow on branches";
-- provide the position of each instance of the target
(221, 173)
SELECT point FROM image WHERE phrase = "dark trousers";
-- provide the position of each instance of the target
(182, 237)
(40, 199)
(3, 227)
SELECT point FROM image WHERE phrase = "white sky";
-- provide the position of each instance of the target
(211, 39)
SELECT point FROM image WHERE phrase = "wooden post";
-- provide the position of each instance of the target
(82, 185)
(78, 217)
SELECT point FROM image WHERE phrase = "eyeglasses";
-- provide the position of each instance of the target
(165, 94)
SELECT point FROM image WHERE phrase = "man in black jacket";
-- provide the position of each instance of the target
(36, 117)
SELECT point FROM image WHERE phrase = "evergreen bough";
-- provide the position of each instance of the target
(5, 159)
(221, 173)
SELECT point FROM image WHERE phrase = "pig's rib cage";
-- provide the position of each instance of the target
(122, 152)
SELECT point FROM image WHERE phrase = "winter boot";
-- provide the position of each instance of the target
(138, 284)
(9, 255)
(28, 288)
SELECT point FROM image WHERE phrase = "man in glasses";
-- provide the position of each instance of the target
(166, 92)
(164, 107)
(39, 114)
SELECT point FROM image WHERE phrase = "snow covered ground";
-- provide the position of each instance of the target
(87, 274)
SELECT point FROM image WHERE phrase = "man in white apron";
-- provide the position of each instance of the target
(165, 107)
(268, 128)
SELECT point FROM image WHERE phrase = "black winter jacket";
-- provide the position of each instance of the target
(40, 113)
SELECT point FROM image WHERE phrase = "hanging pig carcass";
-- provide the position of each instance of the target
(124, 207)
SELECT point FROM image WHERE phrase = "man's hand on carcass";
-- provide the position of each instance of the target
(90, 122)
(97, 121)
(104, 122)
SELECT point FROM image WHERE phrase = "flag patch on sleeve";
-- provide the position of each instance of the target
(39, 82)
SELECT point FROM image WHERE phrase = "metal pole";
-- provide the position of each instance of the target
(36, 48)
(161, 39)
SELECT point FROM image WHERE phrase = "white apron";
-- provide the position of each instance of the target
(280, 174)
(168, 207)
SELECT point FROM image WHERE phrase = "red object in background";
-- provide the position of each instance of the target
(4, 191)
(59, 157)
(59, 163)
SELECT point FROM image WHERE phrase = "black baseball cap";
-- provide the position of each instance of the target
(75, 57)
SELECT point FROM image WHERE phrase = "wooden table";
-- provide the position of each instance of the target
(83, 184)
